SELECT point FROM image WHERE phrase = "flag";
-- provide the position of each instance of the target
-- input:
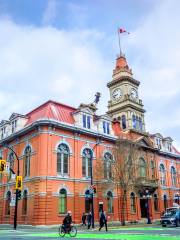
(122, 30)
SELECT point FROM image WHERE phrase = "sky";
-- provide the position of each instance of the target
(65, 50)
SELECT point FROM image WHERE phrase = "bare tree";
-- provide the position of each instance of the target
(125, 169)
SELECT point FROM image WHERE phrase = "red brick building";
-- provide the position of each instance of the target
(56, 143)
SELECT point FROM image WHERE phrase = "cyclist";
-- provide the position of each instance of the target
(67, 222)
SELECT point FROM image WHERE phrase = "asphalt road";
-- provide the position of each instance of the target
(122, 233)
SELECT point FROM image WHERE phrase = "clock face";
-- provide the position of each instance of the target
(117, 93)
(133, 93)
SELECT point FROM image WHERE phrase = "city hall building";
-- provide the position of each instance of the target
(56, 145)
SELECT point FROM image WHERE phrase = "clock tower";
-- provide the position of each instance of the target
(124, 103)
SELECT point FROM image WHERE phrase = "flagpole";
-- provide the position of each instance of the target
(119, 42)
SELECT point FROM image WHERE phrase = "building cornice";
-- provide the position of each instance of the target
(61, 125)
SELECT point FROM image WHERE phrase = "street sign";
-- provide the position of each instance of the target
(13, 176)
(13, 200)
(7, 168)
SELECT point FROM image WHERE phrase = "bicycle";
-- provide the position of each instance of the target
(72, 231)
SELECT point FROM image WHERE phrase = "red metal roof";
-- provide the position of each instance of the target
(52, 110)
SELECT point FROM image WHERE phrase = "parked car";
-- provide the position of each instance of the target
(171, 217)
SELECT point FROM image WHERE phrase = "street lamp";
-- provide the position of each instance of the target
(92, 197)
(16, 200)
(147, 205)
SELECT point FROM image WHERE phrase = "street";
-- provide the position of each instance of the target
(122, 233)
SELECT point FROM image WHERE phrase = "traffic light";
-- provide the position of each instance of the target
(19, 182)
(18, 194)
(2, 165)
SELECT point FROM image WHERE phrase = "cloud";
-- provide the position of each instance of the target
(50, 12)
(154, 47)
(41, 63)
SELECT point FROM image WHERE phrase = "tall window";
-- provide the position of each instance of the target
(133, 203)
(123, 122)
(106, 128)
(63, 154)
(173, 176)
(62, 201)
(134, 121)
(86, 121)
(8, 200)
(27, 159)
(11, 163)
(87, 201)
(142, 167)
(108, 165)
(110, 202)
(86, 162)
(24, 203)
(155, 202)
(152, 169)
(165, 202)
(162, 175)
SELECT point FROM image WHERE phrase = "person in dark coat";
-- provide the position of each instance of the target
(103, 220)
(67, 222)
(84, 219)
(89, 219)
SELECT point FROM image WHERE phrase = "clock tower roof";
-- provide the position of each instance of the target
(122, 65)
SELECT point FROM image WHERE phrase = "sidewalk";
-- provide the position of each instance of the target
(55, 227)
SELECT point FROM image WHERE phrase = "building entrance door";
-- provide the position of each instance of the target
(143, 205)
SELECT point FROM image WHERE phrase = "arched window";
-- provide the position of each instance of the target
(152, 169)
(63, 154)
(123, 122)
(142, 166)
(24, 203)
(62, 201)
(133, 202)
(134, 121)
(162, 175)
(86, 162)
(11, 163)
(27, 160)
(8, 200)
(87, 201)
(108, 165)
(155, 202)
(140, 124)
(165, 202)
(110, 202)
(173, 176)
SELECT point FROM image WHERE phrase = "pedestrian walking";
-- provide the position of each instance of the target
(83, 219)
(89, 219)
(103, 220)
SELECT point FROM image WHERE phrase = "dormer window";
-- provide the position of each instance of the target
(169, 147)
(14, 125)
(158, 143)
(86, 121)
(106, 127)
(3, 130)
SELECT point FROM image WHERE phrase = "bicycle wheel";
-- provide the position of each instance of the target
(61, 231)
(73, 231)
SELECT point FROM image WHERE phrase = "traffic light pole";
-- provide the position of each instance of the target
(16, 199)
